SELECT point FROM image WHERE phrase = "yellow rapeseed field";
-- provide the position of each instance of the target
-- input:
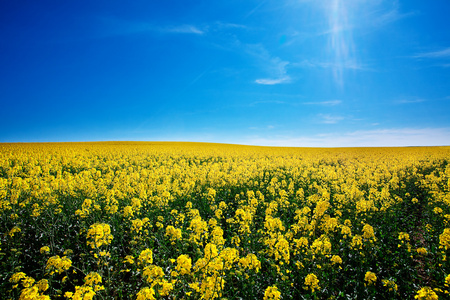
(157, 220)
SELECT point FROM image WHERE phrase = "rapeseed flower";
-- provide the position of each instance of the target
(184, 264)
(426, 293)
(272, 292)
(370, 278)
(311, 282)
(444, 239)
(99, 234)
(57, 264)
(146, 257)
(44, 250)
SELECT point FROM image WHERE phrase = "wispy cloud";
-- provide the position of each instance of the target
(325, 103)
(329, 119)
(443, 53)
(268, 127)
(343, 65)
(410, 101)
(394, 137)
(267, 102)
(270, 81)
(183, 29)
(274, 66)
(383, 17)
(113, 26)
(223, 25)
(256, 8)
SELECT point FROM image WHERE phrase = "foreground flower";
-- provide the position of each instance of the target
(184, 264)
(311, 282)
(44, 250)
(390, 284)
(146, 294)
(426, 293)
(99, 234)
(422, 251)
(370, 278)
(58, 264)
(272, 292)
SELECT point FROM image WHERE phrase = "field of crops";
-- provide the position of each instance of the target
(211, 221)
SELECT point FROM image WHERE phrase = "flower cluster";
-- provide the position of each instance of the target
(208, 221)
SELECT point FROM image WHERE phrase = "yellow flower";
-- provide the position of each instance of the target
(368, 233)
(30, 293)
(311, 282)
(14, 230)
(184, 264)
(370, 278)
(422, 251)
(447, 281)
(211, 251)
(17, 277)
(250, 262)
(173, 233)
(438, 210)
(194, 286)
(272, 292)
(166, 288)
(211, 287)
(136, 225)
(93, 278)
(152, 273)
(146, 257)
(68, 252)
(58, 264)
(357, 242)
(128, 211)
(129, 259)
(426, 293)
(336, 259)
(403, 236)
(321, 245)
(99, 234)
(42, 285)
(68, 295)
(44, 250)
(444, 239)
(82, 293)
(390, 284)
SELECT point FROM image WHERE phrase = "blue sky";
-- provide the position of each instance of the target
(275, 72)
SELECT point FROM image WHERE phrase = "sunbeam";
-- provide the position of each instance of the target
(340, 41)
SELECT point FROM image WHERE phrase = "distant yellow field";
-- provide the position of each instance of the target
(162, 220)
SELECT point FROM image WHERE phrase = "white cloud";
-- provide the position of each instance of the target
(410, 101)
(394, 137)
(113, 26)
(274, 66)
(184, 29)
(268, 127)
(271, 81)
(329, 119)
(392, 14)
(267, 102)
(443, 53)
(343, 65)
(325, 103)
(222, 25)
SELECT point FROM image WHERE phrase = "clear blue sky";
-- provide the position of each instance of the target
(274, 72)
